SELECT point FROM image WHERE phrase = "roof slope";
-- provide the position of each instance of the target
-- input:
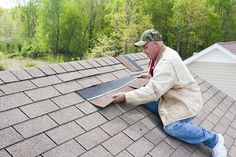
(41, 115)
(230, 46)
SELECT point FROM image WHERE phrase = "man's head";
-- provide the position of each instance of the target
(151, 43)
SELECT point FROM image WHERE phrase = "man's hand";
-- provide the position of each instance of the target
(119, 97)
(146, 76)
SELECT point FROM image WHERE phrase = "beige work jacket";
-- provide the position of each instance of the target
(172, 82)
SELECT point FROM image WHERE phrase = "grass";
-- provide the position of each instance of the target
(14, 63)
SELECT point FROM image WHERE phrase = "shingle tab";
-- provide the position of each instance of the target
(163, 150)
(65, 132)
(35, 126)
(89, 122)
(68, 67)
(124, 153)
(106, 69)
(117, 143)
(66, 115)
(46, 81)
(87, 107)
(70, 76)
(4, 153)
(14, 100)
(92, 138)
(132, 116)
(140, 147)
(106, 77)
(90, 72)
(39, 108)
(181, 151)
(11, 117)
(121, 73)
(136, 131)
(68, 87)
(42, 93)
(93, 63)
(88, 81)
(21, 74)
(9, 136)
(35, 72)
(155, 136)
(67, 100)
(17, 87)
(114, 126)
(76, 65)
(98, 151)
(57, 68)
(101, 61)
(7, 77)
(31, 147)
(111, 111)
(68, 149)
(47, 70)
(85, 64)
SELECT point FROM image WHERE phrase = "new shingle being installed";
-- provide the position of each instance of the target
(101, 94)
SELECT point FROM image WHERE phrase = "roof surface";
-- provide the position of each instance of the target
(41, 115)
(230, 46)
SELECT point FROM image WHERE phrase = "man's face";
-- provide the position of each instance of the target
(151, 49)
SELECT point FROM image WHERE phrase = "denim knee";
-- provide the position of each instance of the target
(173, 129)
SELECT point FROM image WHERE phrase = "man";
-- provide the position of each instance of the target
(180, 96)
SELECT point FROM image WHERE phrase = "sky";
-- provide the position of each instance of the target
(7, 4)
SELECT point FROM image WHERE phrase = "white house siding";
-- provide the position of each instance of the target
(221, 75)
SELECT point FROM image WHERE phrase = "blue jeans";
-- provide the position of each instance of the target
(185, 131)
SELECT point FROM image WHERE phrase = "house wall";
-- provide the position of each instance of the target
(216, 56)
(221, 75)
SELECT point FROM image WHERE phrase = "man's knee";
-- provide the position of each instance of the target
(173, 129)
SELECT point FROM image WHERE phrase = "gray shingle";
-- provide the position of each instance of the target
(68, 149)
(151, 121)
(70, 76)
(17, 87)
(231, 132)
(207, 125)
(155, 136)
(57, 68)
(9, 136)
(114, 126)
(66, 115)
(91, 121)
(31, 147)
(87, 107)
(132, 116)
(4, 153)
(111, 111)
(39, 108)
(90, 72)
(47, 70)
(76, 65)
(11, 117)
(136, 131)
(85, 64)
(35, 126)
(88, 81)
(34, 72)
(114, 60)
(119, 66)
(98, 151)
(92, 138)
(117, 143)
(173, 142)
(106, 69)
(67, 100)
(163, 150)
(7, 76)
(140, 147)
(107, 60)
(68, 67)
(68, 87)
(42, 93)
(21, 74)
(101, 61)
(46, 81)
(181, 151)
(124, 153)
(93, 63)
(106, 77)
(121, 73)
(65, 132)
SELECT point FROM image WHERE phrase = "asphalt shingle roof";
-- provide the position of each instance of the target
(41, 115)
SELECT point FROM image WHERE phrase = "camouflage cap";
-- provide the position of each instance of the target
(147, 36)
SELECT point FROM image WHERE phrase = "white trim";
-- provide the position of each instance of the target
(207, 50)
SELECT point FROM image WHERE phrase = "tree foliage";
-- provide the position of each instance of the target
(94, 28)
